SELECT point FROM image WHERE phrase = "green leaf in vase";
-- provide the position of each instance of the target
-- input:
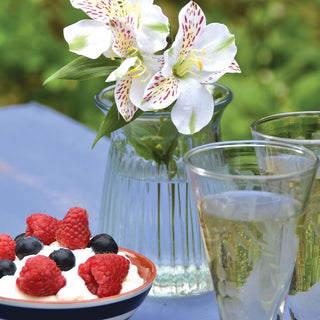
(168, 145)
(144, 138)
(111, 122)
(170, 136)
(152, 140)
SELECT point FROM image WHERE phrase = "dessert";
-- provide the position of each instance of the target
(58, 260)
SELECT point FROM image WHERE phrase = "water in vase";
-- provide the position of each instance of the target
(131, 206)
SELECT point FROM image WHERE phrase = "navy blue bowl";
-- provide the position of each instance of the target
(118, 307)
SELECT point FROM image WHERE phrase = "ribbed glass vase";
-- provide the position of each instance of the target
(146, 203)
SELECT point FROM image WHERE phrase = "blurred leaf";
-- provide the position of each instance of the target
(83, 68)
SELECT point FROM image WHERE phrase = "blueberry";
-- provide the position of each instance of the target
(27, 246)
(19, 237)
(103, 243)
(64, 259)
(7, 267)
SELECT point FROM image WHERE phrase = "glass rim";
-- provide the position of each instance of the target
(296, 114)
(300, 150)
(148, 114)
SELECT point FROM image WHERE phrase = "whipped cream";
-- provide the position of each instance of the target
(75, 288)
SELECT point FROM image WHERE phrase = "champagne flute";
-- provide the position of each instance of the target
(249, 206)
(300, 129)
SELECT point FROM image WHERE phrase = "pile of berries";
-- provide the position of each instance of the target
(103, 273)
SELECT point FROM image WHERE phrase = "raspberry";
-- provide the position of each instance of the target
(42, 226)
(40, 276)
(7, 247)
(73, 232)
(103, 274)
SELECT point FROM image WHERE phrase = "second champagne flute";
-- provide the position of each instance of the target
(301, 129)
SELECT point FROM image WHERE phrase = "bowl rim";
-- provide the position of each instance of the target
(147, 263)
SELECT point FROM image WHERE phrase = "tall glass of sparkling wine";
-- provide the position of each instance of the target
(301, 129)
(250, 197)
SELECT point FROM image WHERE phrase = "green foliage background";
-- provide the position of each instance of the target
(278, 51)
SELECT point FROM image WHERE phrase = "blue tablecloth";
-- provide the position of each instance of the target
(47, 165)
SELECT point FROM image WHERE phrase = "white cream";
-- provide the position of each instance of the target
(75, 289)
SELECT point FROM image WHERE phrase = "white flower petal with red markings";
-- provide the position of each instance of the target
(153, 64)
(193, 109)
(131, 20)
(88, 38)
(124, 36)
(121, 93)
(160, 93)
(153, 31)
(215, 76)
(210, 77)
(234, 67)
(122, 70)
(191, 22)
(100, 10)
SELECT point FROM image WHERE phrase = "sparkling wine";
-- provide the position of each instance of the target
(251, 243)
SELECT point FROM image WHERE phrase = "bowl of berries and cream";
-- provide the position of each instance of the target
(57, 266)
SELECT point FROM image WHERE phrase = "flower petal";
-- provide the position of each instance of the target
(215, 76)
(122, 70)
(193, 109)
(191, 21)
(153, 31)
(153, 64)
(100, 10)
(160, 92)
(144, 5)
(121, 94)
(136, 92)
(124, 35)
(88, 38)
(218, 46)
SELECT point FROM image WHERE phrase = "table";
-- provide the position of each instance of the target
(47, 165)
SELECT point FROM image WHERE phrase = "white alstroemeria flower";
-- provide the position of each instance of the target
(134, 70)
(200, 54)
(92, 38)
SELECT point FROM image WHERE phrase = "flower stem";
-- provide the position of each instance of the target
(159, 221)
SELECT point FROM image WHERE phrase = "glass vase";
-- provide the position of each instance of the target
(146, 202)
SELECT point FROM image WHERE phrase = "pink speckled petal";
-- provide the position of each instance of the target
(121, 94)
(234, 67)
(124, 35)
(160, 92)
(215, 76)
(101, 10)
(191, 22)
(153, 64)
